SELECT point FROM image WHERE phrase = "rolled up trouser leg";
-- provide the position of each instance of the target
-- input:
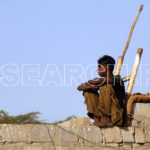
(92, 100)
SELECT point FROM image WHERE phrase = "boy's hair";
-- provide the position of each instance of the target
(107, 60)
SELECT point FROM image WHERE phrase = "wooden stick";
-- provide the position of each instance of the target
(127, 78)
(134, 70)
(121, 58)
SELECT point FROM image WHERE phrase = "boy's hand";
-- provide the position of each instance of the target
(94, 87)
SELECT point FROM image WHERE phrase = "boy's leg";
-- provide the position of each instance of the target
(91, 99)
(109, 105)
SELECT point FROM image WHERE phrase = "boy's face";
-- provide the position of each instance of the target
(102, 70)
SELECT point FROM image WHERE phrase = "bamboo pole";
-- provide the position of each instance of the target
(125, 79)
(134, 70)
(121, 58)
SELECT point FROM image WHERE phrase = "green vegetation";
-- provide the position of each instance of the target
(29, 118)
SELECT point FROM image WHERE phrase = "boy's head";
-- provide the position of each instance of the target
(105, 63)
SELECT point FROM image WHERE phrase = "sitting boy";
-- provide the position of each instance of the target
(106, 106)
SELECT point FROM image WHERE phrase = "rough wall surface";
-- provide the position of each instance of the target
(79, 136)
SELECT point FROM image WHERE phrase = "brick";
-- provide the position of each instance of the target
(112, 135)
(147, 134)
(62, 134)
(139, 135)
(15, 133)
(110, 146)
(39, 133)
(126, 147)
(141, 109)
(141, 147)
(128, 135)
(90, 148)
(91, 134)
(62, 148)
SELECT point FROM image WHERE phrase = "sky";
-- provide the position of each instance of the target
(47, 48)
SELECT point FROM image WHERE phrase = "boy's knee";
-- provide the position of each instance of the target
(85, 93)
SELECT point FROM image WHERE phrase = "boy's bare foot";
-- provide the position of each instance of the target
(103, 122)
(107, 121)
(97, 122)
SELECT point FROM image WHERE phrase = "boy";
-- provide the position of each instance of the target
(104, 107)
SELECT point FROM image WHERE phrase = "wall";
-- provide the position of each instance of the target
(79, 136)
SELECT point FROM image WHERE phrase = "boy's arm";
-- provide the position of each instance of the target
(96, 81)
(100, 81)
(94, 84)
(86, 86)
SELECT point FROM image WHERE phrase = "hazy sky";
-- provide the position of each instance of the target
(46, 45)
